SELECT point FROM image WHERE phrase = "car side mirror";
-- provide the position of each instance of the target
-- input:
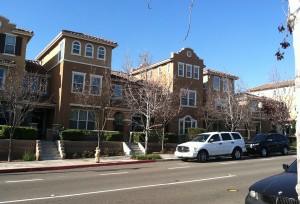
(211, 140)
(285, 167)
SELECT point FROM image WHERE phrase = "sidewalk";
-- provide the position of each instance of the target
(28, 166)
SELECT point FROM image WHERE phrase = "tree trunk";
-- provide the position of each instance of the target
(9, 148)
(163, 139)
(294, 6)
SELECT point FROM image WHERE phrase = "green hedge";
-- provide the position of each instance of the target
(113, 136)
(154, 137)
(192, 132)
(22, 133)
(73, 135)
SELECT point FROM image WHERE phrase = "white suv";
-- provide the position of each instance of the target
(212, 144)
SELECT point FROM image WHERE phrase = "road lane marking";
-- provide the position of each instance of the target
(227, 163)
(267, 159)
(107, 174)
(19, 181)
(118, 189)
(179, 167)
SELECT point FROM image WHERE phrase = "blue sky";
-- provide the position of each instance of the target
(235, 36)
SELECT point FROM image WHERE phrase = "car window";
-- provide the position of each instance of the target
(225, 136)
(200, 138)
(214, 138)
(236, 136)
(279, 137)
(259, 138)
(270, 138)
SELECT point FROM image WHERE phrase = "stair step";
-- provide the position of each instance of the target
(49, 151)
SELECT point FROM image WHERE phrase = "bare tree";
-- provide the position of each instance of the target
(19, 96)
(234, 110)
(146, 97)
(209, 113)
(97, 97)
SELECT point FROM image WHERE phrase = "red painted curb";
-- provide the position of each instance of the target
(49, 168)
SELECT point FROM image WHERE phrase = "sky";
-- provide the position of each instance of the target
(239, 37)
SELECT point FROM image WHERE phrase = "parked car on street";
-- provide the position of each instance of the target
(264, 144)
(212, 144)
(276, 189)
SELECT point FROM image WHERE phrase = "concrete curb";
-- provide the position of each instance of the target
(49, 168)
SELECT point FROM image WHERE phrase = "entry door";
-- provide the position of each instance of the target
(214, 145)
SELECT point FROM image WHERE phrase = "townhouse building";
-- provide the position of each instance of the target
(282, 92)
(74, 77)
(82, 82)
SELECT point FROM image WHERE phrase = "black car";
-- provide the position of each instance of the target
(280, 188)
(264, 144)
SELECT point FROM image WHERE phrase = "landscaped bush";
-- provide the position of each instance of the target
(171, 137)
(140, 137)
(146, 157)
(28, 156)
(87, 154)
(113, 136)
(73, 135)
(192, 132)
(22, 133)
(293, 142)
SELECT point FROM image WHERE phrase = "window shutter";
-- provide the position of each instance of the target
(18, 46)
(2, 42)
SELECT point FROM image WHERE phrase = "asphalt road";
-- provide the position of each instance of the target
(217, 181)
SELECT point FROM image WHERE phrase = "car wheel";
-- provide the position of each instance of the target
(263, 152)
(285, 151)
(202, 156)
(236, 153)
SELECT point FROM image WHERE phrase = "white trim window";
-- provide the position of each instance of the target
(101, 55)
(2, 78)
(76, 48)
(89, 50)
(82, 119)
(169, 68)
(95, 84)
(117, 89)
(78, 80)
(185, 123)
(225, 85)
(10, 44)
(188, 98)
(181, 69)
(159, 72)
(189, 71)
(196, 72)
(216, 83)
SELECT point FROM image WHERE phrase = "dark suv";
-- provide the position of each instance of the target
(265, 144)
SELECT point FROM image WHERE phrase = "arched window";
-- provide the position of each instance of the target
(89, 50)
(76, 48)
(118, 122)
(101, 53)
(185, 123)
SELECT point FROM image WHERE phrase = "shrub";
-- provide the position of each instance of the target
(73, 135)
(192, 132)
(106, 151)
(76, 156)
(171, 137)
(87, 154)
(113, 136)
(23, 133)
(28, 156)
(152, 137)
(146, 157)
